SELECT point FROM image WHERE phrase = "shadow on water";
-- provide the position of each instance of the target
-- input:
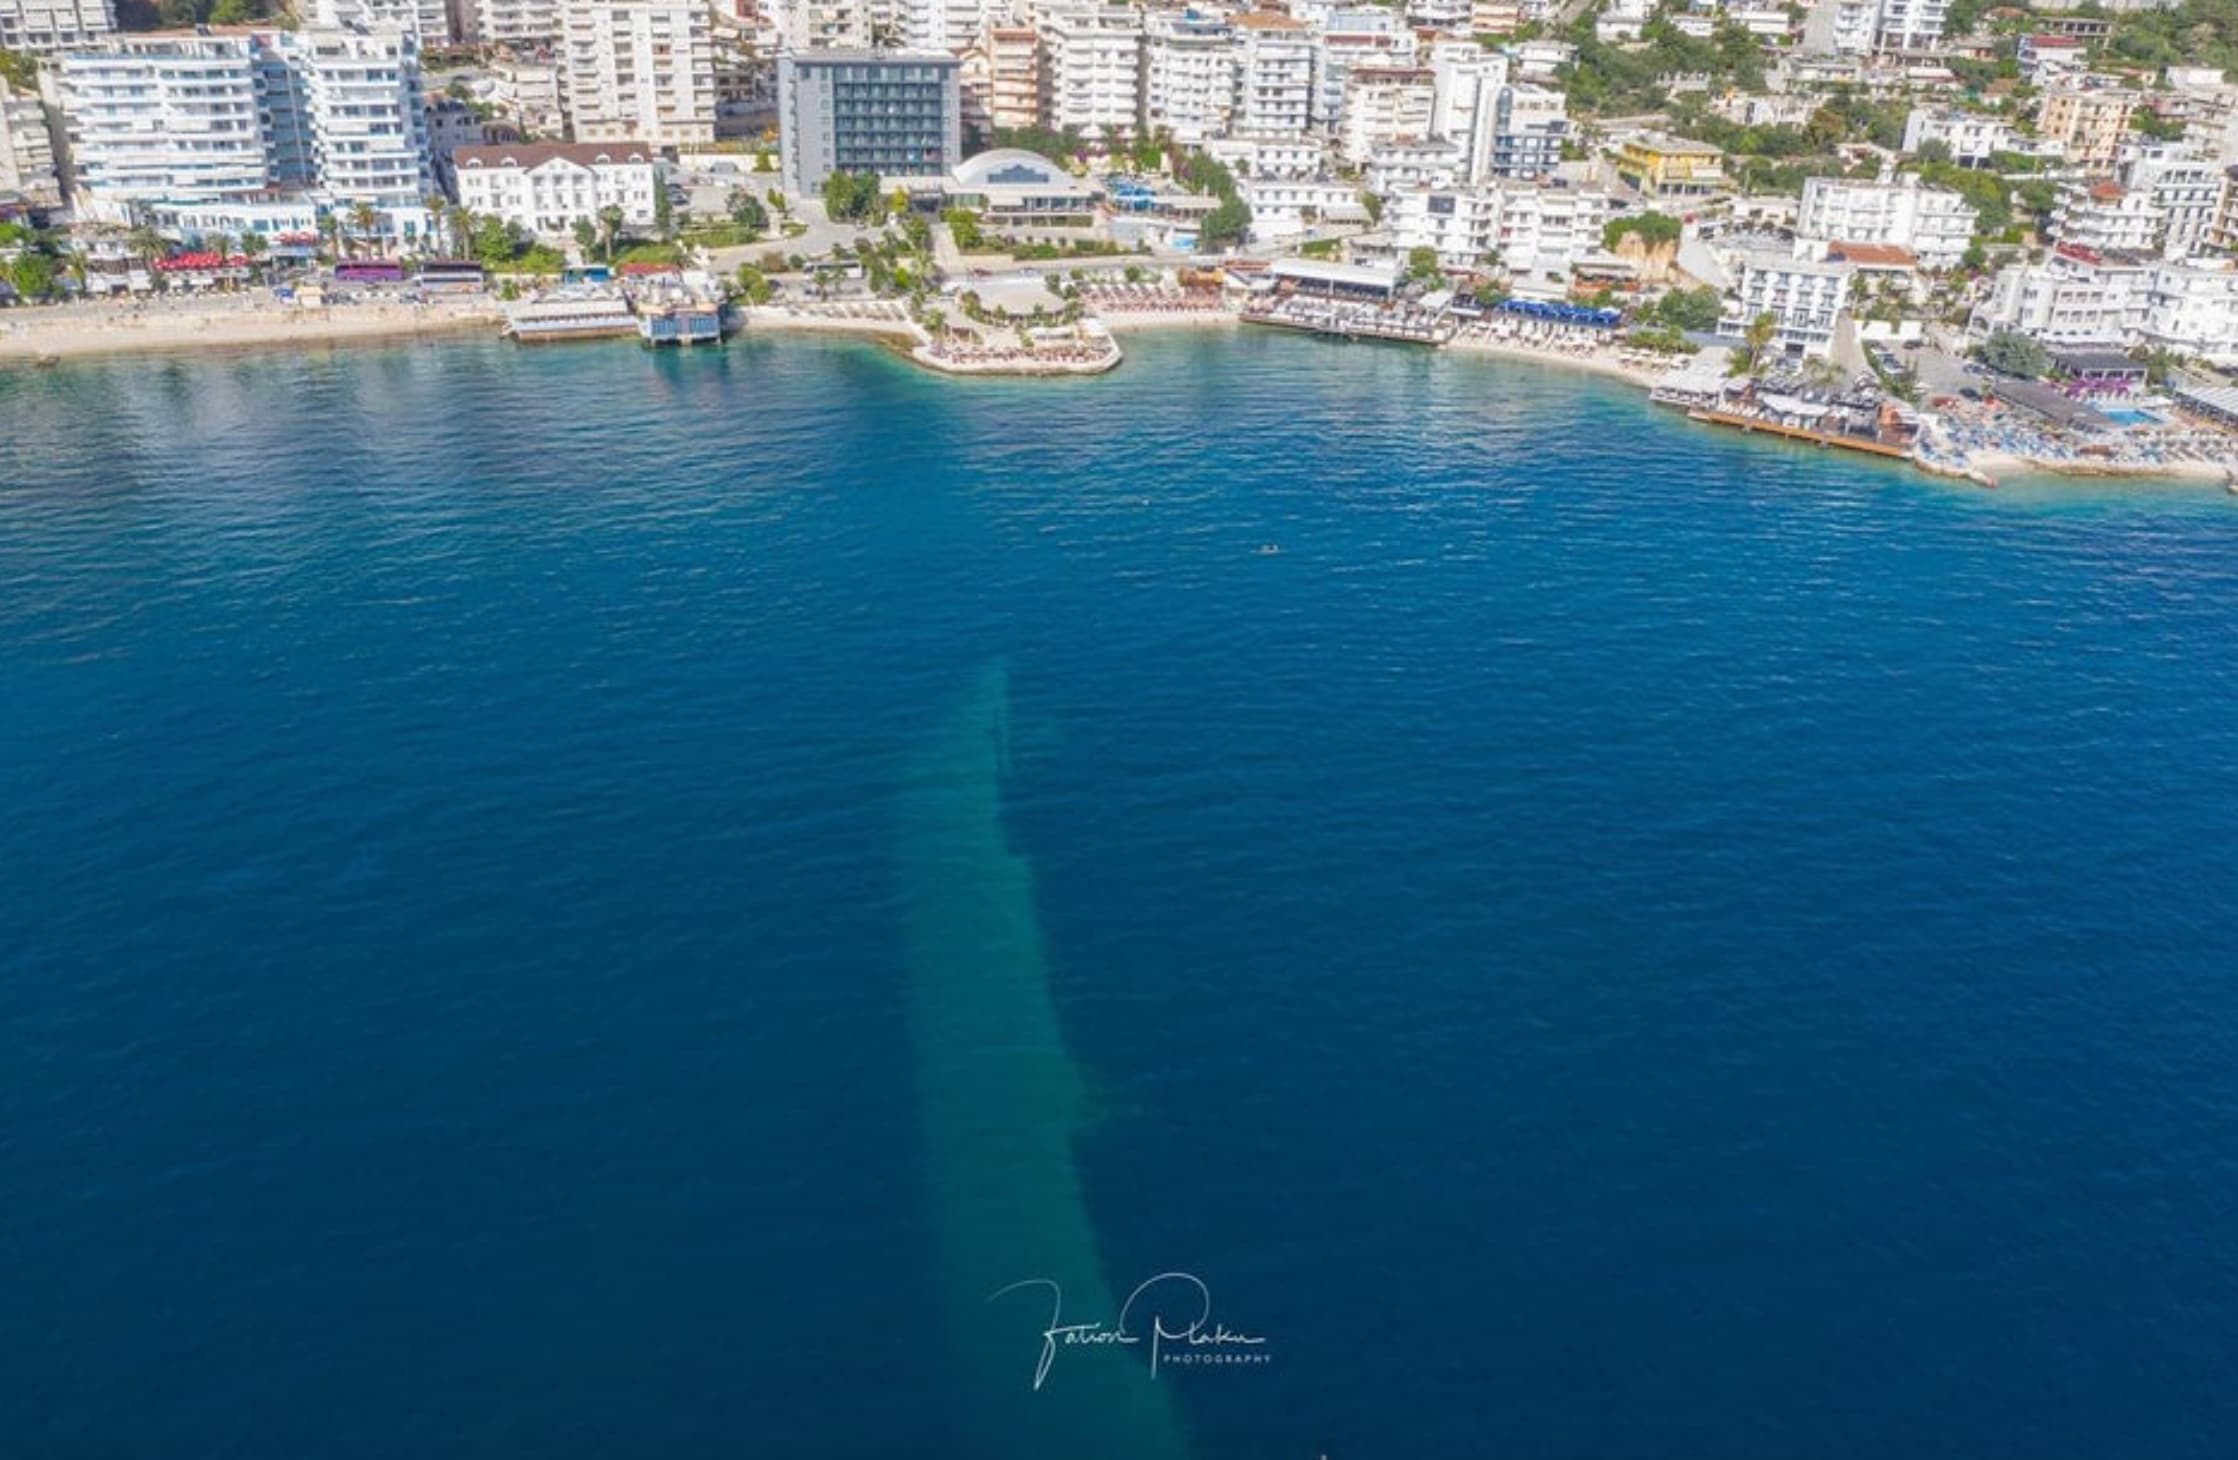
(1001, 1103)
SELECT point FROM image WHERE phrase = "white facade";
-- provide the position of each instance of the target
(546, 188)
(2186, 191)
(368, 115)
(1466, 111)
(2074, 298)
(1384, 105)
(1935, 224)
(639, 70)
(2193, 309)
(1276, 76)
(2106, 216)
(1283, 208)
(430, 20)
(1091, 70)
(1536, 233)
(165, 116)
(1805, 297)
(1349, 38)
(516, 23)
(1189, 74)
(42, 27)
(27, 150)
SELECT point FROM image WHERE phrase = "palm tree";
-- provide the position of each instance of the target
(252, 249)
(364, 218)
(145, 244)
(461, 223)
(586, 237)
(330, 229)
(1759, 335)
(610, 220)
(433, 205)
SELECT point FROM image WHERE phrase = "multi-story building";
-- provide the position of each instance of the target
(2104, 216)
(430, 20)
(1189, 74)
(527, 90)
(181, 119)
(1013, 61)
(942, 25)
(519, 24)
(893, 113)
(1532, 123)
(1470, 81)
(1670, 167)
(27, 150)
(2075, 298)
(368, 114)
(2186, 190)
(1935, 224)
(1535, 232)
(2192, 309)
(546, 187)
(44, 27)
(1276, 82)
(1804, 297)
(1384, 105)
(1970, 138)
(639, 70)
(1091, 70)
(2087, 124)
(1349, 38)
(167, 115)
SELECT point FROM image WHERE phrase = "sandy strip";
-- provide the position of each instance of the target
(773, 317)
(2001, 465)
(1595, 364)
(35, 335)
(1202, 319)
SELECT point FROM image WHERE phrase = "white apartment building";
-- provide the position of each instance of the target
(2192, 308)
(1351, 38)
(368, 115)
(1276, 75)
(1396, 166)
(1091, 70)
(1535, 232)
(1284, 208)
(2186, 190)
(943, 25)
(1189, 74)
(1466, 110)
(187, 118)
(430, 20)
(639, 70)
(546, 187)
(44, 27)
(1971, 138)
(2075, 298)
(27, 150)
(819, 25)
(170, 115)
(1620, 21)
(1805, 297)
(1530, 125)
(520, 24)
(1935, 224)
(1385, 105)
(1269, 157)
(2105, 216)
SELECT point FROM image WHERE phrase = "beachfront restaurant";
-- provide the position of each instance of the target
(1012, 188)
(2097, 372)
(1327, 279)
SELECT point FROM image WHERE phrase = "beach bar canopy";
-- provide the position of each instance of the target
(1323, 276)
(1600, 319)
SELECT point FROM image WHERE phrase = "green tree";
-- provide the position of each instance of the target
(1422, 264)
(747, 211)
(145, 244)
(32, 274)
(2009, 352)
(586, 236)
(19, 70)
(1689, 309)
(964, 224)
(1758, 337)
(253, 247)
(610, 220)
(664, 213)
(753, 285)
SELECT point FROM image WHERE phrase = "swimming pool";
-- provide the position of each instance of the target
(2129, 416)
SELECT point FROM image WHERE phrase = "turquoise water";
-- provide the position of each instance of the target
(578, 903)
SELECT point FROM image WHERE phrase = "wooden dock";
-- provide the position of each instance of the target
(1811, 434)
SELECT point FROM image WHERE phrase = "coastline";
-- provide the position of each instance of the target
(146, 330)
(155, 331)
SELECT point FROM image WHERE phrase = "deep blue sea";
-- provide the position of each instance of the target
(589, 904)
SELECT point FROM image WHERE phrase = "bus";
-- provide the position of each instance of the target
(452, 276)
